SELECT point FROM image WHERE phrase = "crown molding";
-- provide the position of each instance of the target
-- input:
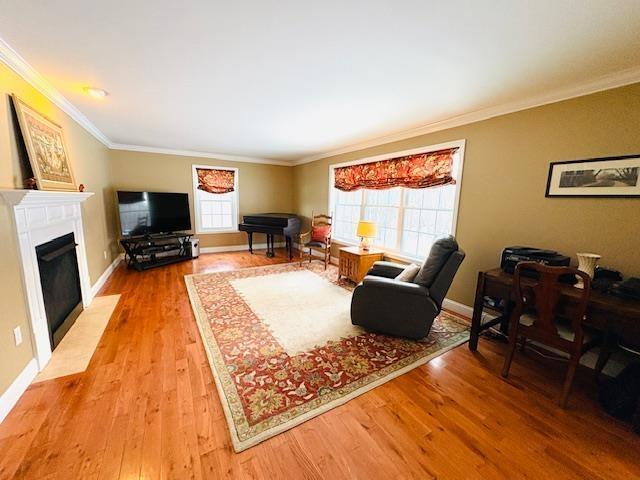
(19, 65)
(192, 153)
(606, 82)
(15, 62)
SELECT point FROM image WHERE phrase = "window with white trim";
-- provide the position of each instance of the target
(215, 212)
(408, 220)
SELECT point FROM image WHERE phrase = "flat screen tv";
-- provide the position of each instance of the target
(146, 213)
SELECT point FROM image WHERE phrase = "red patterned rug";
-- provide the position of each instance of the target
(282, 348)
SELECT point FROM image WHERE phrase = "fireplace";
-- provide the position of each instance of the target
(48, 224)
(60, 281)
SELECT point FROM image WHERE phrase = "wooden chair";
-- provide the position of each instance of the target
(323, 244)
(545, 316)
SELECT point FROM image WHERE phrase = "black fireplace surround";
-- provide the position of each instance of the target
(60, 280)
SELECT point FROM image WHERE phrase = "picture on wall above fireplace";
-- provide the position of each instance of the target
(48, 154)
(595, 177)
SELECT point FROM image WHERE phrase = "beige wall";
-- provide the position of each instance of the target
(505, 172)
(90, 164)
(262, 188)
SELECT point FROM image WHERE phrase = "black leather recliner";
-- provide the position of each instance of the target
(406, 309)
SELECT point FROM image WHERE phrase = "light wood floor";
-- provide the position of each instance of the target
(147, 408)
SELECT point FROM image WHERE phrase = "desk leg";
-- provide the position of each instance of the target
(476, 319)
(608, 345)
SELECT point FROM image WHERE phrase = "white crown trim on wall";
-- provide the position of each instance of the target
(190, 153)
(606, 82)
(618, 79)
(15, 62)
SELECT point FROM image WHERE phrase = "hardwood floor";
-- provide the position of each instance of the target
(147, 408)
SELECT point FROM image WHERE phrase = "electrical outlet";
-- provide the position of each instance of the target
(105, 254)
(17, 335)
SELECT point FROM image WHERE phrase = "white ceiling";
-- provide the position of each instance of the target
(292, 79)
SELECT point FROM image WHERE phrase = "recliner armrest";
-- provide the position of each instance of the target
(395, 285)
(386, 269)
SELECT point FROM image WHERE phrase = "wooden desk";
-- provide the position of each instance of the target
(615, 316)
(354, 263)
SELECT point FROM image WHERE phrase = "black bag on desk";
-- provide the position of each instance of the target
(620, 395)
(630, 288)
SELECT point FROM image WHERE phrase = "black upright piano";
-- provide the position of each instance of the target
(286, 224)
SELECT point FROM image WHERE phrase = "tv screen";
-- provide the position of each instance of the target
(143, 213)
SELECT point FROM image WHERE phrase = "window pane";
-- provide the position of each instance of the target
(447, 197)
(411, 219)
(444, 222)
(409, 242)
(431, 198)
(413, 198)
(428, 221)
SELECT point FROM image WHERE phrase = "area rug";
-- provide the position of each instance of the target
(282, 348)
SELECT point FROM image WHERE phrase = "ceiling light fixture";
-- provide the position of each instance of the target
(97, 93)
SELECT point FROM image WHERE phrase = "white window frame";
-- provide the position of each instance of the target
(458, 165)
(234, 207)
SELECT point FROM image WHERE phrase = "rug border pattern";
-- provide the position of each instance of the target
(229, 397)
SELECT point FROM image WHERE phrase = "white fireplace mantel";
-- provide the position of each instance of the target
(41, 216)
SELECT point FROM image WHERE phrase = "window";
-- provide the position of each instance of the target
(216, 212)
(408, 220)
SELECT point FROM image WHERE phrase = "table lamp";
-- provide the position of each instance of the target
(365, 231)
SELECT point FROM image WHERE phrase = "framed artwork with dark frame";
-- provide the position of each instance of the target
(595, 177)
(47, 151)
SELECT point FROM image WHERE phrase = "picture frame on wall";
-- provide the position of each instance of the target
(595, 177)
(46, 148)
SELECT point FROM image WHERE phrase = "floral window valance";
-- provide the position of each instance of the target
(213, 180)
(412, 171)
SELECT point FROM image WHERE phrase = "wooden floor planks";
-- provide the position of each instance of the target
(147, 408)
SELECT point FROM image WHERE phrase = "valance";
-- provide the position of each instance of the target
(214, 180)
(412, 171)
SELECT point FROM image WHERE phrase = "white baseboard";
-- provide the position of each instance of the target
(95, 288)
(464, 310)
(237, 248)
(11, 396)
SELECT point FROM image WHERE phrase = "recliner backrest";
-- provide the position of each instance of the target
(440, 286)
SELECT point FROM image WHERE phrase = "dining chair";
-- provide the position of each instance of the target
(550, 311)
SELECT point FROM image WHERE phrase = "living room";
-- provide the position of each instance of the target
(293, 245)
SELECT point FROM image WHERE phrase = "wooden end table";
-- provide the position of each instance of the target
(354, 262)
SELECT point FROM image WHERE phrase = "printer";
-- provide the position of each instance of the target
(512, 255)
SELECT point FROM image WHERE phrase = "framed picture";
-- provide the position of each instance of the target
(47, 151)
(595, 177)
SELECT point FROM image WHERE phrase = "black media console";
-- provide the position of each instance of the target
(150, 251)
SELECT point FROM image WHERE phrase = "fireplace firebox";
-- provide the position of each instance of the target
(60, 280)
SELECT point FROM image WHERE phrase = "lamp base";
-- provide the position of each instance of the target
(364, 244)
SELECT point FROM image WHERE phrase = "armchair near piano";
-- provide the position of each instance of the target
(319, 238)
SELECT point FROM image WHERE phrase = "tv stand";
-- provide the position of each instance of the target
(149, 251)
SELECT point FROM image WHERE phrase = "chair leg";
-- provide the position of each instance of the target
(513, 340)
(568, 379)
(326, 257)
(310, 254)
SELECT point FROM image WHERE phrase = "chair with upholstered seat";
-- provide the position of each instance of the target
(319, 238)
(543, 315)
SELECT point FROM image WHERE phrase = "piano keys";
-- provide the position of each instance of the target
(285, 224)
